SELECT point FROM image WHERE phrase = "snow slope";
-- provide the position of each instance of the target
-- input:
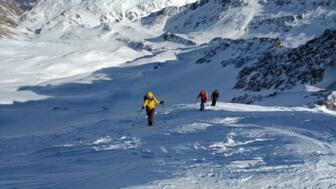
(209, 19)
(83, 137)
(70, 97)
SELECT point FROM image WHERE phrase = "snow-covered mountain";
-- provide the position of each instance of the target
(72, 87)
(60, 16)
(249, 33)
(227, 19)
(294, 21)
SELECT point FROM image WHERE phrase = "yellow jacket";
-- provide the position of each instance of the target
(150, 101)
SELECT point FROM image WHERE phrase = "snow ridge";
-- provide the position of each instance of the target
(61, 15)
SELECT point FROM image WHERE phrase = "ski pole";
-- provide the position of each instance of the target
(164, 112)
(137, 117)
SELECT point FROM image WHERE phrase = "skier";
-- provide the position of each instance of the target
(204, 98)
(214, 97)
(149, 103)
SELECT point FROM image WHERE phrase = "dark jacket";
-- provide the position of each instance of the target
(215, 95)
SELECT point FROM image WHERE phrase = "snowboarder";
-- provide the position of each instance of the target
(214, 97)
(204, 98)
(149, 103)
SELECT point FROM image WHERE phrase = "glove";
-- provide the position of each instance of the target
(161, 102)
(142, 107)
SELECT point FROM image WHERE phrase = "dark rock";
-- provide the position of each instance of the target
(247, 99)
(330, 101)
(283, 69)
(177, 39)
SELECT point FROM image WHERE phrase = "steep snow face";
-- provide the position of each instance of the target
(294, 21)
(159, 19)
(61, 15)
(227, 19)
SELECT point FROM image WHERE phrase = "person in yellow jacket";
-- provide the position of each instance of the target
(150, 102)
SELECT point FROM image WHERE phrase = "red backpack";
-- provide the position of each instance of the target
(204, 96)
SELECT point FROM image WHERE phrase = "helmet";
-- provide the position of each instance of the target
(150, 94)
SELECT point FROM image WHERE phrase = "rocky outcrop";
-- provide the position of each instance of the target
(330, 101)
(247, 99)
(135, 45)
(25, 4)
(177, 39)
(285, 68)
(160, 17)
(9, 13)
(235, 52)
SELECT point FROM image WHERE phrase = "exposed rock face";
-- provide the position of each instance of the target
(236, 52)
(136, 45)
(160, 17)
(247, 99)
(25, 4)
(177, 39)
(9, 13)
(283, 69)
(330, 101)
